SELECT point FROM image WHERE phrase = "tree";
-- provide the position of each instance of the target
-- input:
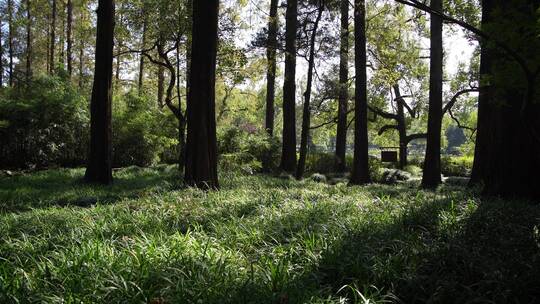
(343, 102)
(508, 145)
(288, 155)
(29, 53)
(201, 146)
(53, 37)
(11, 37)
(360, 172)
(306, 117)
(99, 169)
(432, 165)
(143, 45)
(69, 50)
(271, 51)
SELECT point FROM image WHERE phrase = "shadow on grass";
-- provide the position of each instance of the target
(65, 187)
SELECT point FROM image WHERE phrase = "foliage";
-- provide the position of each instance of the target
(43, 124)
(457, 166)
(260, 240)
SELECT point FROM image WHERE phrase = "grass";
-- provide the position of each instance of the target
(260, 240)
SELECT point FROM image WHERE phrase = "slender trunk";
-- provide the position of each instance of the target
(69, 37)
(271, 72)
(81, 65)
(306, 115)
(1, 54)
(53, 38)
(62, 43)
(161, 86)
(99, 168)
(402, 128)
(432, 166)
(119, 45)
(201, 146)
(288, 155)
(341, 135)
(10, 41)
(181, 119)
(360, 172)
(28, 41)
(141, 62)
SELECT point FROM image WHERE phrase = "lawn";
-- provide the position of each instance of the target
(260, 240)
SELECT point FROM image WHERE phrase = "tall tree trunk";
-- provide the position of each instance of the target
(402, 128)
(507, 156)
(81, 65)
(306, 117)
(271, 72)
(181, 119)
(1, 54)
(29, 52)
(161, 86)
(360, 172)
(61, 60)
(432, 165)
(141, 59)
(288, 155)
(343, 101)
(201, 147)
(10, 41)
(69, 51)
(53, 38)
(99, 168)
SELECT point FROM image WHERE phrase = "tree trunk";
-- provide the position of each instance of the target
(81, 65)
(507, 159)
(1, 54)
(10, 41)
(53, 38)
(201, 147)
(402, 128)
(432, 165)
(69, 51)
(360, 172)
(343, 102)
(161, 86)
(141, 62)
(288, 156)
(181, 119)
(306, 117)
(28, 41)
(271, 72)
(99, 168)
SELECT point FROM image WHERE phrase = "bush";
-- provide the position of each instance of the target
(393, 176)
(43, 124)
(413, 170)
(457, 166)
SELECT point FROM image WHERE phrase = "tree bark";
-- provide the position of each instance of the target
(271, 72)
(1, 54)
(29, 52)
(69, 51)
(99, 168)
(306, 117)
(10, 41)
(201, 146)
(161, 86)
(360, 172)
(432, 165)
(53, 38)
(507, 156)
(288, 155)
(402, 128)
(343, 101)
(141, 62)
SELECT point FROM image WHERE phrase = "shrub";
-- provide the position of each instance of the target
(413, 170)
(457, 166)
(393, 176)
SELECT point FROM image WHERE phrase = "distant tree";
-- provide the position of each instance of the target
(99, 169)
(432, 165)
(11, 39)
(288, 155)
(54, 13)
(69, 50)
(29, 52)
(360, 171)
(201, 146)
(273, 23)
(343, 101)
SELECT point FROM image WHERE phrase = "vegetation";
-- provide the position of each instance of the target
(260, 240)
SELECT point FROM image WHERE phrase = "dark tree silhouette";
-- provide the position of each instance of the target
(288, 156)
(342, 124)
(271, 72)
(99, 169)
(432, 165)
(360, 172)
(201, 146)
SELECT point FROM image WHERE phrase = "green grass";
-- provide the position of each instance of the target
(260, 240)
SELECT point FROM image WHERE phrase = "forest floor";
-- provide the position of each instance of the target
(260, 240)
